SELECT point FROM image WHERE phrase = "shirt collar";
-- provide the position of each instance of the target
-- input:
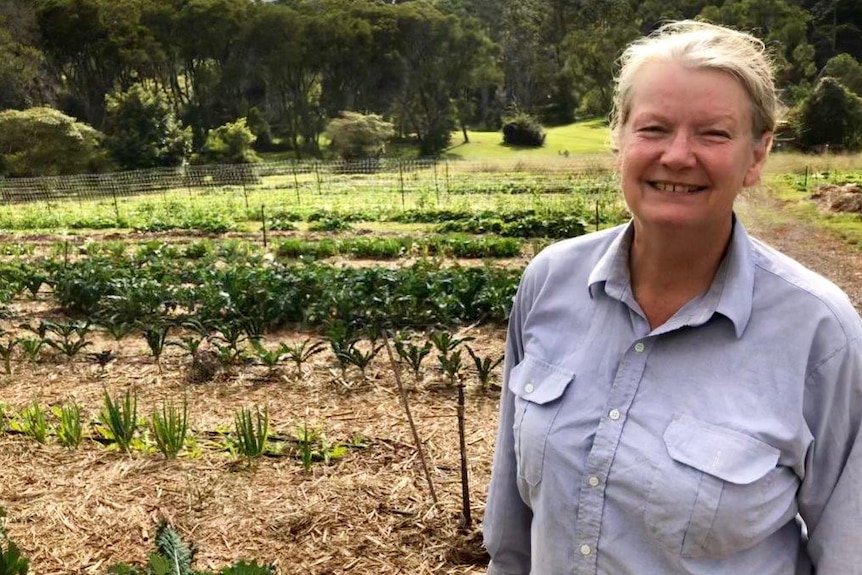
(731, 293)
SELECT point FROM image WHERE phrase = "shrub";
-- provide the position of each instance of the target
(45, 142)
(229, 144)
(356, 136)
(523, 130)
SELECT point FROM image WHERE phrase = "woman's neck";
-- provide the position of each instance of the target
(670, 268)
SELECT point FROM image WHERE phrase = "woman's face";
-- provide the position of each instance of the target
(687, 147)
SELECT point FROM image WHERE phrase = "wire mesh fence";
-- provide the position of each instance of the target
(317, 177)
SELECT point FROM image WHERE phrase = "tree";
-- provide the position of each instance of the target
(781, 24)
(142, 130)
(847, 70)
(23, 82)
(45, 142)
(96, 46)
(831, 117)
(354, 135)
(594, 50)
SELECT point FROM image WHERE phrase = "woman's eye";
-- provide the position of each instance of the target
(651, 130)
(717, 134)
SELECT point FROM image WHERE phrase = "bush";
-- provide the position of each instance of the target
(45, 142)
(229, 144)
(357, 136)
(523, 130)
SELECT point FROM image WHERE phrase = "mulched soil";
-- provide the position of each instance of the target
(370, 512)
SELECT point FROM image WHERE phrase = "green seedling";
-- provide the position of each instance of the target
(252, 431)
(484, 367)
(69, 430)
(121, 419)
(34, 424)
(170, 428)
(301, 352)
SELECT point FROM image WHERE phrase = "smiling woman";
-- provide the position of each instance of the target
(667, 380)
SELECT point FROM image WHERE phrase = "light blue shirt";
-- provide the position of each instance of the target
(705, 446)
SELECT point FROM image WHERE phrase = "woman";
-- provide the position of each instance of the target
(679, 397)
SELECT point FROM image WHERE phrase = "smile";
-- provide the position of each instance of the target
(677, 188)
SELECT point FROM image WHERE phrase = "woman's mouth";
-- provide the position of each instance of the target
(677, 188)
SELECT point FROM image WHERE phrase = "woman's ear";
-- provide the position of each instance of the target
(759, 154)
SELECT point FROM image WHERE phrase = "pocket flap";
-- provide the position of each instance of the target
(724, 453)
(538, 382)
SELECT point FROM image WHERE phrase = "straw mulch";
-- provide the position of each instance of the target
(80, 511)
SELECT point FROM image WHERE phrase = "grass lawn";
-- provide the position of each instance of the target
(588, 137)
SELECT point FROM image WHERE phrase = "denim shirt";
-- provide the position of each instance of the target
(725, 441)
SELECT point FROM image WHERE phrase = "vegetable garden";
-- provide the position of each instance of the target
(235, 379)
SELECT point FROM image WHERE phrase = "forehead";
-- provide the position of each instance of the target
(674, 90)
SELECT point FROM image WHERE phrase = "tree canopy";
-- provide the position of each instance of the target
(426, 66)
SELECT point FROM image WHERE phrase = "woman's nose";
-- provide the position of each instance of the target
(679, 153)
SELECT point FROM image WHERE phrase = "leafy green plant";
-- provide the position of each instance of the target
(68, 347)
(120, 419)
(252, 431)
(32, 347)
(484, 367)
(157, 337)
(11, 560)
(268, 357)
(170, 428)
(6, 350)
(412, 354)
(69, 430)
(301, 352)
(173, 556)
(305, 438)
(449, 359)
(355, 355)
(119, 329)
(34, 424)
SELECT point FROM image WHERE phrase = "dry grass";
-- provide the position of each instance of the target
(82, 510)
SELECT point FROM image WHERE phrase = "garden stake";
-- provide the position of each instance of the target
(397, 373)
(401, 177)
(263, 223)
(597, 215)
(296, 184)
(467, 520)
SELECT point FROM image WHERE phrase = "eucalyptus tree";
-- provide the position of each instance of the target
(206, 32)
(95, 46)
(782, 24)
(440, 57)
(284, 46)
(21, 70)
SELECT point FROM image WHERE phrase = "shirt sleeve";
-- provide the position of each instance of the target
(830, 497)
(506, 525)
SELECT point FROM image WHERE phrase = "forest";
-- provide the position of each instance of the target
(428, 67)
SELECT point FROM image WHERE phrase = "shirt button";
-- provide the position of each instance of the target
(614, 414)
(585, 550)
(529, 388)
(639, 347)
(593, 481)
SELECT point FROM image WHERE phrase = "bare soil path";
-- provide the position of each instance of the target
(808, 244)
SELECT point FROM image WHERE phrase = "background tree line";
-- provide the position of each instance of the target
(162, 81)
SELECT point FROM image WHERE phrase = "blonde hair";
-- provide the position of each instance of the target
(701, 45)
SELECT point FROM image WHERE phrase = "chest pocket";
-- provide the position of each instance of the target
(538, 387)
(719, 491)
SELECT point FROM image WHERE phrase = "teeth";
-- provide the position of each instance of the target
(676, 188)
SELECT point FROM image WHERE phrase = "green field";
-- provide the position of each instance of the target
(588, 137)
